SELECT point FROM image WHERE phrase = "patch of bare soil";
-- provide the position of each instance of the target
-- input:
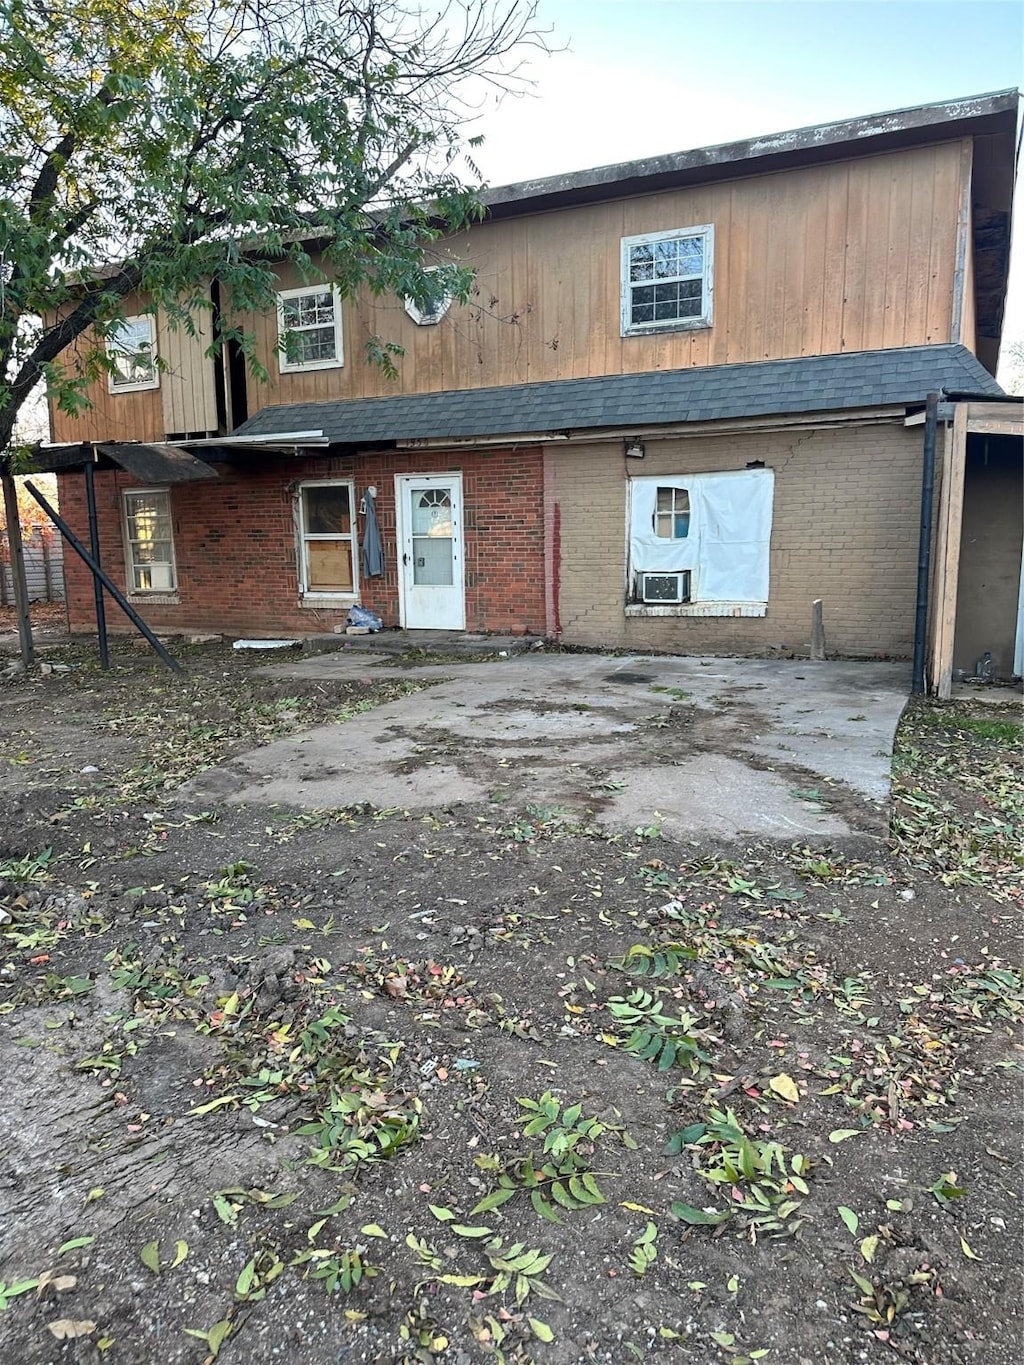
(490, 1085)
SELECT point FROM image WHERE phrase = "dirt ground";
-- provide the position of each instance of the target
(490, 1083)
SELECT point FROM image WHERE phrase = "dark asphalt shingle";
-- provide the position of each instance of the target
(826, 383)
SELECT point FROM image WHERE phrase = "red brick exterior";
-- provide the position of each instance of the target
(235, 543)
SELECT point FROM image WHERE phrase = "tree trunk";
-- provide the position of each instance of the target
(17, 565)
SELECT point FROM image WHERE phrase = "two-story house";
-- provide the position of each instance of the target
(684, 402)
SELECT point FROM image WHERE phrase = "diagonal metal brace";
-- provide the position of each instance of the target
(99, 574)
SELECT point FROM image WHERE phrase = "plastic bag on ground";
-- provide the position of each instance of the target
(362, 616)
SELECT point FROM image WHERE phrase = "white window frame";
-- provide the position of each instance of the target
(431, 319)
(112, 348)
(707, 277)
(310, 596)
(130, 563)
(673, 512)
(302, 367)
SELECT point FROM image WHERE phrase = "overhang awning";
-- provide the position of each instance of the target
(156, 463)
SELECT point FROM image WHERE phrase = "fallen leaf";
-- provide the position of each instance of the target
(841, 1134)
(150, 1257)
(785, 1086)
(688, 1214)
(541, 1330)
(373, 1230)
(218, 1103)
(849, 1218)
(58, 1283)
(971, 1255)
(868, 1247)
(66, 1329)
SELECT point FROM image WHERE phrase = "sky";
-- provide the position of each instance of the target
(635, 78)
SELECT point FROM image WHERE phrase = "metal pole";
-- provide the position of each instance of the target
(94, 546)
(924, 549)
(112, 588)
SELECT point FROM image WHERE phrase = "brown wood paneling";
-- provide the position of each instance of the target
(968, 312)
(942, 245)
(132, 416)
(851, 255)
(187, 391)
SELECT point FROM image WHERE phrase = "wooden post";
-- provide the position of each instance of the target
(17, 557)
(817, 631)
(947, 552)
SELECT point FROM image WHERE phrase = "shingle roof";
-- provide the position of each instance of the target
(829, 383)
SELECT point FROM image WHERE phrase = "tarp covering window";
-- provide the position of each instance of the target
(724, 541)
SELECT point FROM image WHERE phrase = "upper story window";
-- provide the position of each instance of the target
(149, 540)
(667, 280)
(309, 329)
(132, 349)
(433, 309)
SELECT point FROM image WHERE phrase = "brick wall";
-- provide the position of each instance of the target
(845, 529)
(236, 551)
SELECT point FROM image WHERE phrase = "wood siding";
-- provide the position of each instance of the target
(187, 393)
(132, 416)
(968, 314)
(853, 255)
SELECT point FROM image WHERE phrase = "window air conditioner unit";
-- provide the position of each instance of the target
(665, 589)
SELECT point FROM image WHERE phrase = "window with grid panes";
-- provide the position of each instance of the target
(132, 351)
(149, 540)
(672, 514)
(309, 327)
(666, 280)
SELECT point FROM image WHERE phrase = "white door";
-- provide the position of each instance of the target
(430, 551)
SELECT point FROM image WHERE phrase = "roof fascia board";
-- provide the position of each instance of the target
(650, 432)
(753, 156)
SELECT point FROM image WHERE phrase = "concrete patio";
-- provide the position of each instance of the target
(723, 747)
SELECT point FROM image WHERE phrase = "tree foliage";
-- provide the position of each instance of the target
(149, 146)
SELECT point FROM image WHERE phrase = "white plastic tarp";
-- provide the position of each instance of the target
(729, 533)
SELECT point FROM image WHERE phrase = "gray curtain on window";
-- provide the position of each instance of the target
(373, 550)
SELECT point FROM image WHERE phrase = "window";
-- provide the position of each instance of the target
(149, 540)
(309, 329)
(699, 544)
(132, 350)
(672, 514)
(433, 309)
(666, 280)
(328, 541)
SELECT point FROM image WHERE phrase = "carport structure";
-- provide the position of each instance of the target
(158, 462)
(977, 598)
